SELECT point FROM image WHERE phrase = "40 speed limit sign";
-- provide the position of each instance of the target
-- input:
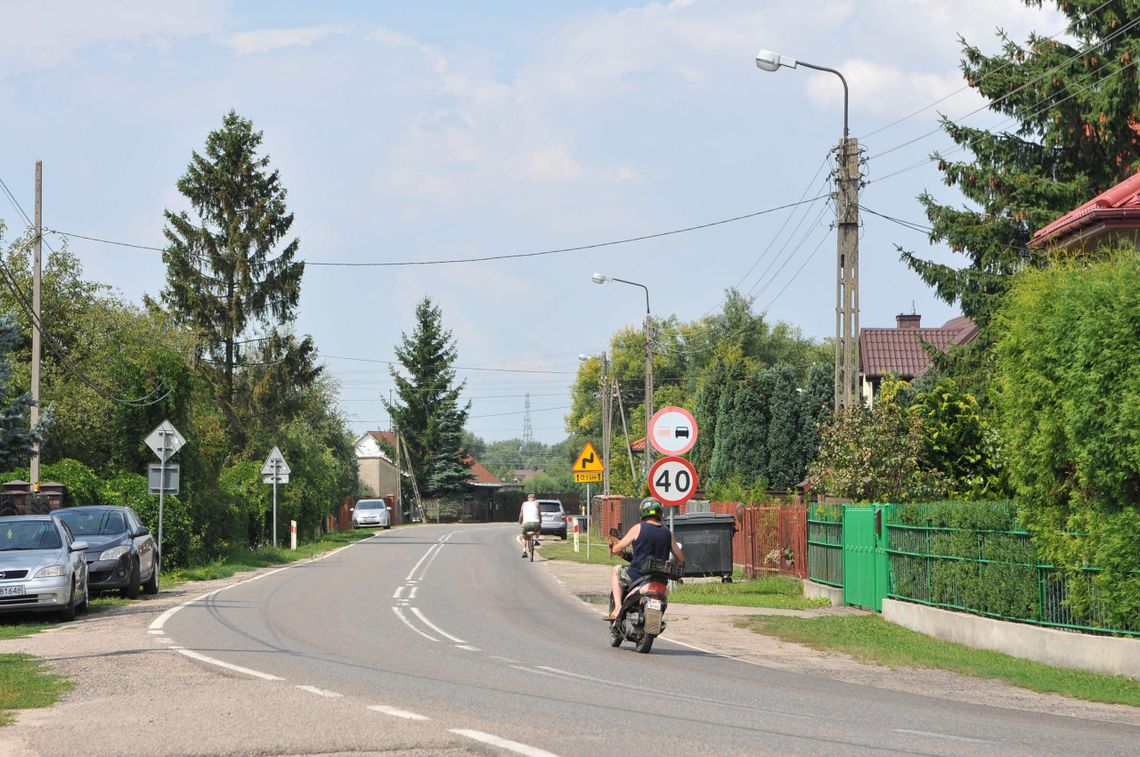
(672, 480)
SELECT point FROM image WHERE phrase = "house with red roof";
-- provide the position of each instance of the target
(379, 475)
(1113, 216)
(904, 350)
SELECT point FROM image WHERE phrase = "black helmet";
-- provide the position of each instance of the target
(650, 508)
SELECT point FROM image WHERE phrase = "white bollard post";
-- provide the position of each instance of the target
(292, 534)
(577, 537)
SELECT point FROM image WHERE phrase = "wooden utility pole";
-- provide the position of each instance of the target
(628, 448)
(34, 467)
(399, 476)
(847, 393)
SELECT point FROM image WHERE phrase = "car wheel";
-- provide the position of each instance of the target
(131, 590)
(68, 613)
(83, 606)
(150, 587)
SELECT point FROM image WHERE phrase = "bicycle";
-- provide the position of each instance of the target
(531, 542)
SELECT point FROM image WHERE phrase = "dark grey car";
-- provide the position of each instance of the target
(121, 553)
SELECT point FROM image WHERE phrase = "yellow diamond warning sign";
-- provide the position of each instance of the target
(589, 461)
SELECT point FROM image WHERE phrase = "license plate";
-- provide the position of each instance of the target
(653, 604)
(11, 591)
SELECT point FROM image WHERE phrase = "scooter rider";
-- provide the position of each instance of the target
(649, 539)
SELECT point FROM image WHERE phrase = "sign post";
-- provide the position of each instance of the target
(673, 432)
(164, 441)
(587, 469)
(275, 471)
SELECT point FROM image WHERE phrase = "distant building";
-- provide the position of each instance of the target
(902, 351)
(378, 474)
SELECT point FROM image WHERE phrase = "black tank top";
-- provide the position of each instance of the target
(654, 540)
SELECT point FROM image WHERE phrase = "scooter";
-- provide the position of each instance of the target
(642, 615)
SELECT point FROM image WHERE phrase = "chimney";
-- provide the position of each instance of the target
(908, 321)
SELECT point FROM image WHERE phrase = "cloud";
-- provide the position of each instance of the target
(261, 41)
(37, 35)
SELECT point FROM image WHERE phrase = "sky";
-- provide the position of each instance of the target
(412, 132)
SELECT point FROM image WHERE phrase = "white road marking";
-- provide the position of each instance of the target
(400, 614)
(166, 640)
(399, 591)
(468, 648)
(156, 631)
(319, 692)
(941, 735)
(397, 713)
(228, 666)
(412, 593)
(434, 627)
(431, 550)
(512, 746)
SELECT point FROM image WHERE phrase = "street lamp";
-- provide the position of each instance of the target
(847, 244)
(602, 279)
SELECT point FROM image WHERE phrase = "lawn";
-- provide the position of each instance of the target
(871, 639)
(553, 549)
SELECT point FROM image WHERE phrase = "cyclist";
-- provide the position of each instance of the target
(530, 519)
(649, 538)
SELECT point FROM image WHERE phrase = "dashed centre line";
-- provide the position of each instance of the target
(397, 713)
(501, 743)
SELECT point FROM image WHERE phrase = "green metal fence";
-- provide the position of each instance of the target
(992, 573)
(825, 551)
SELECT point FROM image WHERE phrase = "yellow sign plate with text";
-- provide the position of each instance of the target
(590, 477)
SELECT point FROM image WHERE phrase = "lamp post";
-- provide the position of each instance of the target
(847, 245)
(602, 279)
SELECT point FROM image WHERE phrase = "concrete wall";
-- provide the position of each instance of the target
(832, 594)
(1065, 649)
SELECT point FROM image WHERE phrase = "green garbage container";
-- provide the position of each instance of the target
(706, 540)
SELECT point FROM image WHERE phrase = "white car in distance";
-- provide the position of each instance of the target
(371, 512)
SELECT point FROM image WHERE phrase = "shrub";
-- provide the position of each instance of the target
(1068, 400)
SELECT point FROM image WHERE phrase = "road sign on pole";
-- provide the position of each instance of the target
(275, 471)
(588, 468)
(164, 441)
(163, 478)
(673, 480)
(673, 431)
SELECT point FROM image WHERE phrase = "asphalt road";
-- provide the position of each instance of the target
(446, 629)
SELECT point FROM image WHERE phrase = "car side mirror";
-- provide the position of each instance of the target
(79, 546)
(142, 531)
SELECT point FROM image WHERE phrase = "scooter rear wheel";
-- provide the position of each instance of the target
(645, 644)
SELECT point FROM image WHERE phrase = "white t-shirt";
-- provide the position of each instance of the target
(530, 512)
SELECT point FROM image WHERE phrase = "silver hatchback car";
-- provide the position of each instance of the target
(42, 566)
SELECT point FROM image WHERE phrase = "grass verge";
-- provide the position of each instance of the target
(869, 638)
(781, 592)
(24, 683)
(263, 558)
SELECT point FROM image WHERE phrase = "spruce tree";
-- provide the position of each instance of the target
(225, 271)
(784, 466)
(16, 436)
(1074, 102)
(427, 410)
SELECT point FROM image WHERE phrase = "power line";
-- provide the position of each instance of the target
(485, 258)
(454, 367)
(991, 104)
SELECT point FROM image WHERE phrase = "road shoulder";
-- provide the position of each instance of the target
(713, 628)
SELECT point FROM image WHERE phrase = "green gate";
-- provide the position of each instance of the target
(866, 568)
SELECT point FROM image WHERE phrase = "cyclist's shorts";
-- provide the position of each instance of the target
(531, 527)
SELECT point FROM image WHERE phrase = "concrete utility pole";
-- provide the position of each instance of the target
(34, 467)
(648, 385)
(607, 422)
(847, 244)
(847, 393)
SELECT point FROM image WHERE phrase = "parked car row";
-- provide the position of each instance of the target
(56, 562)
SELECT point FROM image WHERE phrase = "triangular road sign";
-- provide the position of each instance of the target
(589, 461)
(275, 464)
